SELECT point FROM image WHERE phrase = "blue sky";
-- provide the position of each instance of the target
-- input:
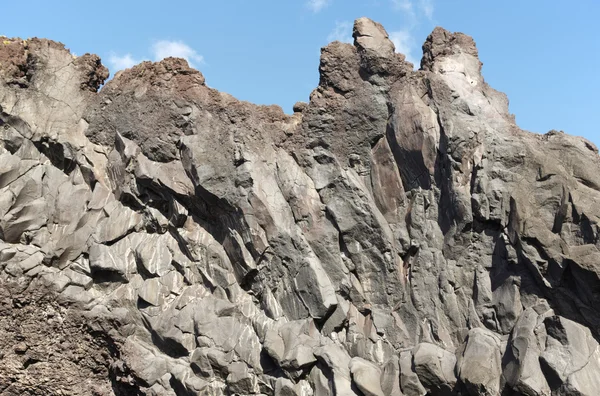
(545, 54)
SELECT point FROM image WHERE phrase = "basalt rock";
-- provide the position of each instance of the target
(397, 235)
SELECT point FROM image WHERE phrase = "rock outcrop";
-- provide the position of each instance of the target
(397, 235)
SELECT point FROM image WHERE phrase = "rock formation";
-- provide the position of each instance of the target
(397, 235)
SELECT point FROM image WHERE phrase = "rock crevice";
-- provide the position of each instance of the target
(398, 234)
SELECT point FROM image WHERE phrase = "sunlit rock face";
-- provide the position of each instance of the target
(397, 235)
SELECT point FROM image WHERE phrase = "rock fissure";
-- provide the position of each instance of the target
(397, 235)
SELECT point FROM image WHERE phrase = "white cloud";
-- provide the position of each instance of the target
(403, 39)
(427, 8)
(122, 62)
(317, 5)
(407, 8)
(342, 32)
(403, 5)
(160, 50)
(178, 49)
(405, 44)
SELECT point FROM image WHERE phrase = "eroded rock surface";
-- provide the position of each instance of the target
(397, 235)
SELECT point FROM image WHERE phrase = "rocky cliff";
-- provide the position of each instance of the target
(397, 235)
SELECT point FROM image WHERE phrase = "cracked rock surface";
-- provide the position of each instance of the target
(397, 235)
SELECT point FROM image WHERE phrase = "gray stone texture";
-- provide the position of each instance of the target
(397, 235)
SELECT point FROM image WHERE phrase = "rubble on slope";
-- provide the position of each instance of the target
(397, 235)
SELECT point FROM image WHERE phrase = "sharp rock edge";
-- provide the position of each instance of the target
(397, 235)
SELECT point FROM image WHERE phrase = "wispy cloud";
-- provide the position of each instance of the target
(317, 5)
(408, 7)
(403, 5)
(414, 12)
(427, 8)
(405, 44)
(178, 49)
(122, 62)
(342, 32)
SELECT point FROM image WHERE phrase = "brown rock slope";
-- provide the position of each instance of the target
(397, 235)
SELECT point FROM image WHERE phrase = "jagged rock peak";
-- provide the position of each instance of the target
(397, 235)
(376, 50)
(25, 61)
(441, 43)
(371, 36)
(169, 72)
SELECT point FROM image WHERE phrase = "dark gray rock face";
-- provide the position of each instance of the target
(397, 235)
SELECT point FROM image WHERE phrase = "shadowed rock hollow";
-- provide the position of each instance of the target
(397, 235)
